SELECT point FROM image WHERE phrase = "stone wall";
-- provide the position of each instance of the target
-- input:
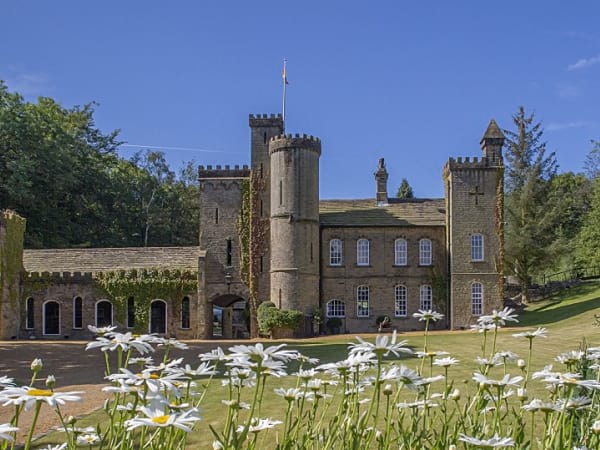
(341, 282)
(12, 228)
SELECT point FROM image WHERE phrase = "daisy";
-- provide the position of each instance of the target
(203, 369)
(88, 439)
(420, 404)
(215, 354)
(445, 362)
(290, 395)
(101, 330)
(538, 405)
(29, 396)
(383, 346)
(430, 354)
(173, 343)
(6, 381)
(156, 418)
(6, 428)
(493, 442)
(499, 318)
(505, 381)
(428, 315)
(257, 425)
(259, 352)
(540, 332)
(570, 358)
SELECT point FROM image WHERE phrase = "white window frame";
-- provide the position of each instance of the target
(335, 252)
(477, 251)
(74, 299)
(400, 301)
(112, 312)
(476, 298)
(362, 252)
(362, 299)
(336, 308)
(400, 252)
(166, 315)
(189, 302)
(425, 297)
(425, 252)
(44, 318)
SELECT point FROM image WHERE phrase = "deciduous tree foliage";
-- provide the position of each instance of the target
(63, 174)
(588, 241)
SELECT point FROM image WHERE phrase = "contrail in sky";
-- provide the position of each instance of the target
(187, 149)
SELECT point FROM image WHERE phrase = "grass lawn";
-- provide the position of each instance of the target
(569, 318)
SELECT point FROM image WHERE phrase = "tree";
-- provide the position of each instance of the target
(530, 217)
(588, 240)
(592, 161)
(404, 190)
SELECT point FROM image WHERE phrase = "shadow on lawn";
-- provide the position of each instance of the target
(553, 311)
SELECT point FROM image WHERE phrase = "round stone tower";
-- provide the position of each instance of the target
(295, 221)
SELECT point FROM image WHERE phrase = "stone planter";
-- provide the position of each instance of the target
(282, 333)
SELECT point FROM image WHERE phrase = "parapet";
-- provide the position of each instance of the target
(59, 277)
(226, 172)
(287, 141)
(266, 120)
(467, 162)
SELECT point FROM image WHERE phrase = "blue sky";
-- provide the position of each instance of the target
(414, 82)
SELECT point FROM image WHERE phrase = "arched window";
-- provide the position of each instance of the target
(400, 252)
(425, 252)
(29, 313)
(158, 316)
(476, 299)
(401, 301)
(130, 312)
(476, 247)
(425, 298)
(362, 252)
(104, 314)
(185, 312)
(77, 312)
(51, 318)
(335, 252)
(362, 301)
(336, 308)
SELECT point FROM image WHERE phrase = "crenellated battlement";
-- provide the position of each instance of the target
(286, 141)
(59, 277)
(472, 163)
(266, 120)
(219, 171)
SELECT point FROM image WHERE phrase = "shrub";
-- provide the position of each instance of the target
(334, 324)
(270, 317)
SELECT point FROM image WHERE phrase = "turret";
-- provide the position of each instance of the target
(295, 221)
(492, 142)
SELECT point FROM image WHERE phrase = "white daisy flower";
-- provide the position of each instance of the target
(6, 381)
(257, 425)
(173, 343)
(156, 418)
(505, 381)
(539, 405)
(54, 447)
(432, 354)
(88, 439)
(290, 394)
(419, 404)
(101, 330)
(571, 379)
(483, 327)
(569, 358)
(216, 354)
(203, 369)
(499, 318)
(540, 332)
(493, 442)
(445, 362)
(259, 352)
(428, 315)
(6, 428)
(29, 396)
(383, 346)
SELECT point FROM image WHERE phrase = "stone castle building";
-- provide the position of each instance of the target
(266, 235)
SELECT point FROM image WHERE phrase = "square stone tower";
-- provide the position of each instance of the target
(474, 230)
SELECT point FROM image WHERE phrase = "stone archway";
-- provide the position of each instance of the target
(158, 316)
(228, 317)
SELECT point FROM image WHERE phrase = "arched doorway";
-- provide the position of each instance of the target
(104, 314)
(158, 317)
(51, 318)
(229, 316)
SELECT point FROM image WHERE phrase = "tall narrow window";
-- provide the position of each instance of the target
(29, 313)
(335, 252)
(477, 247)
(261, 208)
(261, 170)
(477, 299)
(262, 259)
(336, 308)
(362, 301)
(280, 192)
(104, 313)
(401, 300)
(130, 312)
(185, 312)
(229, 252)
(311, 252)
(77, 312)
(425, 298)
(217, 216)
(362, 252)
(400, 252)
(425, 252)
(279, 298)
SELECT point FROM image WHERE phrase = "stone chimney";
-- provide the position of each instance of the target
(381, 177)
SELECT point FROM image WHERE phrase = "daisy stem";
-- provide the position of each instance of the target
(38, 405)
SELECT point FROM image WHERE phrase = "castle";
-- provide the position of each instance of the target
(266, 235)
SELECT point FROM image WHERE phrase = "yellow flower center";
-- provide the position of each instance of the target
(153, 376)
(161, 420)
(39, 393)
(570, 380)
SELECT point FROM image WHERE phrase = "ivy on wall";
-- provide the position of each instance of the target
(144, 285)
(11, 255)
(500, 230)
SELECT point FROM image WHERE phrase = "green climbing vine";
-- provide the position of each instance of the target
(11, 255)
(439, 285)
(144, 285)
(500, 230)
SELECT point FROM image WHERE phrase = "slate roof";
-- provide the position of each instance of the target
(105, 259)
(366, 213)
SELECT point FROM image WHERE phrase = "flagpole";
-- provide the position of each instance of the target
(284, 78)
